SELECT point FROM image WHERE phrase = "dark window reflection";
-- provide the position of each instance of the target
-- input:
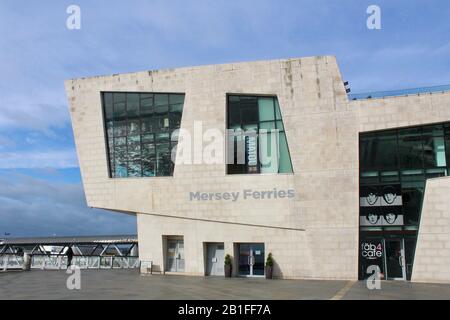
(410, 148)
(379, 151)
(412, 194)
(410, 247)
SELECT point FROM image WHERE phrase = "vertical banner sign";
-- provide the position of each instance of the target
(251, 153)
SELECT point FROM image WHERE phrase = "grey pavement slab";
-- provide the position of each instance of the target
(399, 290)
(129, 284)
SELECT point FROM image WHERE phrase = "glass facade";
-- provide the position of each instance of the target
(140, 132)
(256, 141)
(394, 165)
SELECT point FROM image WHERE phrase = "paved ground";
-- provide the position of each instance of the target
(128, 284)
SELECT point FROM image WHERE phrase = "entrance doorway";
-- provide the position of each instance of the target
(395, 259)
(175, 255)
(251, 259)
(393, 255)
(215, 255)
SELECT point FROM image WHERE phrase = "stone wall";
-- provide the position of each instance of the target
(432, 258)
(321, 128)
(313, 235)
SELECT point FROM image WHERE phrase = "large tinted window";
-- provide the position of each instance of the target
(405, 157)
(139, 128)
(447, 142)
(379, 150)
(394, 166)
(410, 148)
(257, 140)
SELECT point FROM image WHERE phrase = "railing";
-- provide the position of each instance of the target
(397, 93)
(11, 262)
(58, 262)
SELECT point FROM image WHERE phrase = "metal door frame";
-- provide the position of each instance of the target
(402, 258)
(251, 258)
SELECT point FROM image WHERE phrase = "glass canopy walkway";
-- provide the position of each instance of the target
(92, 252)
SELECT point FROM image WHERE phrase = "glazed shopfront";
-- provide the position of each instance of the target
(394, 165)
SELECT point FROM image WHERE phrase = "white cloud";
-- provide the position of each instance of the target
(23, 113)
(35, 207)
(36, 159)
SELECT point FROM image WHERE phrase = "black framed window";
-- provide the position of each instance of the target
(405, 156)
(447, 142)
(257, 139)
(140, 132)
(394, 166)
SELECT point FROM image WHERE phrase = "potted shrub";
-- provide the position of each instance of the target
(228, 266)
(269, 266)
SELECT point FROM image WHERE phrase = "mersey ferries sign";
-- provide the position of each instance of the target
(246, 194)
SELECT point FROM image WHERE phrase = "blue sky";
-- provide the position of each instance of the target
(40, 184)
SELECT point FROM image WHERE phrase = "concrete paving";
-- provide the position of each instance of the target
(128, 284)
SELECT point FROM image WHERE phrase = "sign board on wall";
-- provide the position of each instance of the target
(371, 253)
(251, 148)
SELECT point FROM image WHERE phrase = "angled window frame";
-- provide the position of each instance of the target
(143, 95)
(278, 121)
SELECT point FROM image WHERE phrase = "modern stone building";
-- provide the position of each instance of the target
(271, 156)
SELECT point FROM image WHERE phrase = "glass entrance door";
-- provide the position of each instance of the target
(395, 259)
(175, 255)
(251, 259)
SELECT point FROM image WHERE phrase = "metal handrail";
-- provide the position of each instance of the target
(65, 255)
(59, 261)
(398, 93)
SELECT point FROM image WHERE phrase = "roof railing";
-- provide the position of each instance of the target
(398, 93)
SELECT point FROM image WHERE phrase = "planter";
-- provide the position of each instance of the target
(269, 272)
(228, 269)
